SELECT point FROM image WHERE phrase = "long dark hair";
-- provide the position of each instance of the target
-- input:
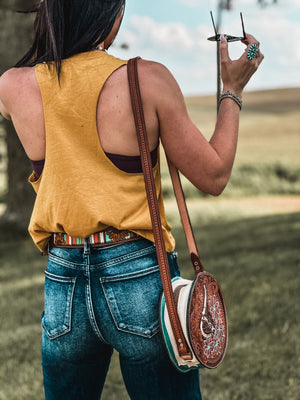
(63, 28)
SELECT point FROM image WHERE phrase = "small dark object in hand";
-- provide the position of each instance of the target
(229, 38)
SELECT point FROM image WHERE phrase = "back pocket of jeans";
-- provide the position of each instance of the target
(133, 301)
(59, 291)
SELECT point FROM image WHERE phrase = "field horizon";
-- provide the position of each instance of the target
(269, 124)
(266, 97)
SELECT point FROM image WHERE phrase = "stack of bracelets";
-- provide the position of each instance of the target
(232, 96)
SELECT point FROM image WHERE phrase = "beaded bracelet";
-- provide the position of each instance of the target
(232, 96)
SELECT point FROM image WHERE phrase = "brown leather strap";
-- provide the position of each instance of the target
(185, 219)
(137, 108)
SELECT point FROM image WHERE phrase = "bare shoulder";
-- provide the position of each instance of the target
(154, 73)
(13, 83)
(160, 87)
(17, 78)
(9, 76)
(151, 67)
(6, 85)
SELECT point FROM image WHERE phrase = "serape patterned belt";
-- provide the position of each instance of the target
(108, 236)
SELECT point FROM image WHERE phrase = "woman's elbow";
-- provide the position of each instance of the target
(214, 186)
(217, 191)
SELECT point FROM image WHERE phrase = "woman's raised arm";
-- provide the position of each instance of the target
(207, 164)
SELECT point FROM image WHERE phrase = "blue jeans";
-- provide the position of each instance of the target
(100, 299)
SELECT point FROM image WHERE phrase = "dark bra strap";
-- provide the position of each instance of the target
(129, 164)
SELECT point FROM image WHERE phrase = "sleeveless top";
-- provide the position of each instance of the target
(80, 191)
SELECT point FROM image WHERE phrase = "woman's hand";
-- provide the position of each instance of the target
(235, 74)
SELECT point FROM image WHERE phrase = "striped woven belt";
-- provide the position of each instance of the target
(105, 237)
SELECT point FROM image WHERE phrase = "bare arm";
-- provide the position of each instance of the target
(207, 164)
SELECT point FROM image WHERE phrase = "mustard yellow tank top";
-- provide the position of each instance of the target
(81, 191)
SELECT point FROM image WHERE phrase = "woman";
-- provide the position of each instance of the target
(69, 102)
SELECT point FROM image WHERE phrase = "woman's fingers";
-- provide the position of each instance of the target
(224, 49)
(252, 51)
(236, 73)
(250, 40)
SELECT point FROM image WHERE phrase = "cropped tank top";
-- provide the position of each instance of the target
(80, 190)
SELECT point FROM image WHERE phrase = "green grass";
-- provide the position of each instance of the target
(252, 179)
(256, 261)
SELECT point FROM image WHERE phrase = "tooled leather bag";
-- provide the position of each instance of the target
(192, 313)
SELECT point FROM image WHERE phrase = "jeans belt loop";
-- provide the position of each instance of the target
(86, 246)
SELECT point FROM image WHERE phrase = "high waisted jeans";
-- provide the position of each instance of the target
(97, 300)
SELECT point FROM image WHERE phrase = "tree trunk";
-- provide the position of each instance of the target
(15, 39)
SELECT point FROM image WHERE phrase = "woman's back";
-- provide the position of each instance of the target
(114, 115)
(76, 166)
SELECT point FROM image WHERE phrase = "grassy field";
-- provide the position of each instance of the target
(249, 238)
(269, 125)
(256, 260)
(267, 160)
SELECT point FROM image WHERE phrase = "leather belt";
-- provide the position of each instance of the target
(103, 238)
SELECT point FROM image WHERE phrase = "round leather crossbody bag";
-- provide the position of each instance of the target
(202, 314)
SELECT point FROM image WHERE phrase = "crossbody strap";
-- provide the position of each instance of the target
(137, 108)
(185, 219)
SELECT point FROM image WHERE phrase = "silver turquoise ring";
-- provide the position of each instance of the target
(252, 52)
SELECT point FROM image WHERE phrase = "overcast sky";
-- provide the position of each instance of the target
(174, 32)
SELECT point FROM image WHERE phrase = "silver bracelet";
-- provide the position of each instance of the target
(232, 96)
